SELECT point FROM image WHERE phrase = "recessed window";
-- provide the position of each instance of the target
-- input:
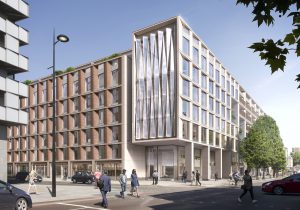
(195, 113)
(185, 88)
(185, 46)
(185, 67)
(195, 55)
(185, 108)
(196, 75)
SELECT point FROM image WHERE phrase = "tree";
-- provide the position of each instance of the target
(263, 147)
(274, 52)
(296, 158)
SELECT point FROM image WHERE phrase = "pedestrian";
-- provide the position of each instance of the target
(198, 178)
(104, 185)
(97, 176)
(236, 177)
(193, 177)
(134, 183)
(216, 176)
(155, 177)
(32, 176)
(184, 176)
(123, 183)
(247, 186)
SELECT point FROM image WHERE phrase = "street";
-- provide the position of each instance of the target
(216, 198)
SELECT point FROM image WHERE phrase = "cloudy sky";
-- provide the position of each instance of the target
(98, 28)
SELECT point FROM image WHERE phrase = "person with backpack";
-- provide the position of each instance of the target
(198, 178)
(247, 186)
(123, 183)
(104, 185)
(236, 178)
(155, 177)
(134, 183)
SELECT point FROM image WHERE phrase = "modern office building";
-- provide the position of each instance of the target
(167, 104)
(12, 37)
(296, 149)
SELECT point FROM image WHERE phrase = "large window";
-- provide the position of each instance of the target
(217, 122)
(185, 46)
(76, 137)
(76, 120)
(76, 104)
(217, 76)
(211, 137)
(203, 135)
(65, 119)
(185, 67)
(223, 81)
(223, 111)
(65, 105)
(116, 134)
(217, 92)
(211, 120)
(195, 113)
(185, 108)
(196, 94)
(196, 75)
(115, 77)
(211, 87)
(116, 151)
(101, 99)
(89, 118)
(217, 107)
(88, 83)
(185, 87)
(101, 116)
(203, 63)
(211, 104)
(195, 132)
(228, 100)
(115, 96)
(101, 81)
(223, 96)
(76, 87)
(101, 135)
(88, 101)
(115, 114)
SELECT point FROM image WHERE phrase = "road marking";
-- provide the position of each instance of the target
(84, 207)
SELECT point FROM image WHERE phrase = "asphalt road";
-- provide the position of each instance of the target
(221, 198)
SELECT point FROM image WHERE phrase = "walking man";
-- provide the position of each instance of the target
(123, 183)
(247, 186)
(104, 185)
(134, 183)
(155, 177)
(32, 177)
(198, 178)
(193, 177)
(184, 176)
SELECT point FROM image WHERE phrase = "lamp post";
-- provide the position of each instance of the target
(59, 38)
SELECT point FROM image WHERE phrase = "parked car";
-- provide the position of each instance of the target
(13, 198)
(83, 176)
(290, 184)
(21, 177)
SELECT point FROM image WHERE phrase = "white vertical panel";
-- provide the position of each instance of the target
(12, 43)
(2, 25)
(12, 86)
(12, 115)
(23, 62)
(2, 113)
(2, 83)
(23, 34)
(23, 89)
(13, 3)
(12, 58)
(12, 29)
(2, 54)
(23, 7)
(11, 100)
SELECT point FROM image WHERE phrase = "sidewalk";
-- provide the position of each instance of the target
(85, 191)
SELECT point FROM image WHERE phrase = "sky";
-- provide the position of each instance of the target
(99, 28)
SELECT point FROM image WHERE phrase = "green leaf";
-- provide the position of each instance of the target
(290, 38)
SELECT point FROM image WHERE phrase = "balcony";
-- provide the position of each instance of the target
(12, 86)
(14, 30)
(12, 61)
(15, 9)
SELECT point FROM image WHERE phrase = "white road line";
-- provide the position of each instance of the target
(84, 207)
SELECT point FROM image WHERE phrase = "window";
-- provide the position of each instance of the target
(65, 119)
(217, 139)
(211, 104)
(116, 151)
(211, 137)
(116, 134)
(65, 87)
(223, 96)
(196, 94)
(211, 70)
(89, 154)
(115, 77)
(195, 55)
(204, 81)
(196, 75)
(65, 105)
(76, 120)
(228, 100)
(232, 91)
(65, 136)
(101, 81)
(101, 99)
(115, 96)
(223, 82)
(185, 108)
(204, 99)
(217, 122)
(217, 107)
(101, 135)
(203, 135)
(211, 87)
(185, 88)
(217, 76)
(203, 63)
(76, 104)
(76, 87)
(228, 86)
(195, 113)
(88, 136)
(76, 137)
(102, 154)
(44, 94)
(101, 116)
(185, 67)
(223, 125)
(185, 129)
(217, 92)
(228, 114)
(203, 117)
(88, 101)
(185, 46)
(89, 118)
(195, 132)
(211, 120)
(223, 111)
(88, 83)
(115, 114)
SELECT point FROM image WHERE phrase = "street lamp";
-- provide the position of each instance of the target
(59, 38)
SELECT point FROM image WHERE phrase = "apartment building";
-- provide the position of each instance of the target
(12, 37)
(169, 104)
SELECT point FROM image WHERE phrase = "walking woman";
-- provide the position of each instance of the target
(134, 183)
(247, 186)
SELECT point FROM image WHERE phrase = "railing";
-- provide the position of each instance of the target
(13, 58)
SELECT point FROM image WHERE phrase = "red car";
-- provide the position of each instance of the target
(289, 184)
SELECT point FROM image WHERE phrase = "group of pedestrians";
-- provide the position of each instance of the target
(103, 182)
